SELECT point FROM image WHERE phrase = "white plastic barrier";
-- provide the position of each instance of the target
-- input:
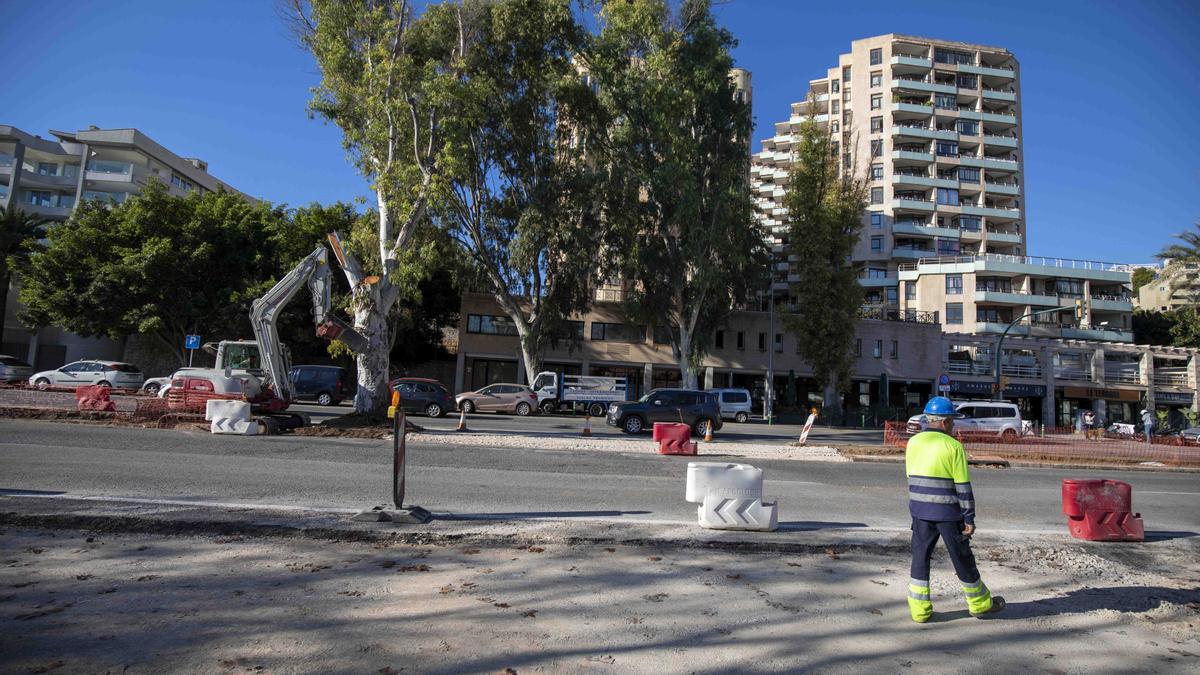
(230, 417)
(730, 497)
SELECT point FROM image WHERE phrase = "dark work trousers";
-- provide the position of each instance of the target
(925, 534)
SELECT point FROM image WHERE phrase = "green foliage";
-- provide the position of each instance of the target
(1151, 327)
(19, 235)
(1141, 277)
(683, 235)
(1186, 329)
(826, 207)
(157, 265)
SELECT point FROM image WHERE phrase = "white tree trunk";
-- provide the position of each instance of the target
(687, 376)
(532, 361)
(372, 394)
(832, 397)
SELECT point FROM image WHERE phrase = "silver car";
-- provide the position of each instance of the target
(735, 403)
(80, 373)
(981, 418)
(13, 369)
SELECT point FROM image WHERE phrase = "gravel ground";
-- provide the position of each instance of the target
(76, 601)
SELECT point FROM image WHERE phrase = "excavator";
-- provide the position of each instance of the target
(259, 370)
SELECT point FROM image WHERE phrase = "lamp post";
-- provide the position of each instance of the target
(769, 400)
(1000, 344)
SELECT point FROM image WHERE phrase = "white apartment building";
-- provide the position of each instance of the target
(49, 177)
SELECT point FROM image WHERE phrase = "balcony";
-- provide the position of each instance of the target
(1176, 377)
(914, 61)
(47, 211)
(913, 131)
(893, 314)
(913, 204)
(1119, 374)
(994, 71)
(910, 84)
(990, 163)
(992, 211)
(968, 367)
(1072, 374)
(1029, 371)
(918, 109)
(923, 230)
(1001, 118)
(1000, 94)
(999, 188)
(877, 282)
(998, 328)
(921, 180)
(1111, 303)
(1097, 333)
(1000, 141)
(911, 252)
(1001, 236)
(914, 156)
(1015, 298)
(110, 171)
(38, 180)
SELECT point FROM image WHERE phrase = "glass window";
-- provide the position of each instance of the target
(762, 342)
(948, 196)
(954, 284)
(877, 148)
(845, 73)
(968, 127)
(969, 223)
(833, 86)
(878, 351)
(910, 290)
(895, 349)
(876, 56)
(719, 340)
(876, 101)
(947, 148)
(952, 56)
(876, 172)
(618, 332)
(876, 244)
(876, 79)
(992, 315)
(47, 169)
(966, 81)
(946, 101)
(834, 127)
(954, 313)
(876, 221)
(107, 166)
(876, 195)
(890, 293)
(835, 106)
(39, 197)
(858, 347)
(968, 174)
(876, 125)
(947, 247)
(741, 339)
(779, 342)
(846, 94)
(490, 325)
(876, 273)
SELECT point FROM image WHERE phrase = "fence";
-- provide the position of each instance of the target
(1064, 444)
(133, 407)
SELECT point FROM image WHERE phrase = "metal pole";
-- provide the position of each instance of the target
(770, 393)
(1000, 344)
(191, 353)
(399, 429)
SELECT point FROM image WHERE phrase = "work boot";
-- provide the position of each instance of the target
(997, 606)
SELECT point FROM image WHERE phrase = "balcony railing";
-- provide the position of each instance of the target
(1064, 263)
(1123, 376)
(1073, 374)
(1021, 370)
(1000, 91)
(891, 314)
(1112, 298)
(1171, 377)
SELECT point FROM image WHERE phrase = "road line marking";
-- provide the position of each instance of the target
(1156, 492)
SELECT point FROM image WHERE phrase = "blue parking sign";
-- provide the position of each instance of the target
(191, 342)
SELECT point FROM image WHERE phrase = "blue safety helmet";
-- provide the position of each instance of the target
(941, 407)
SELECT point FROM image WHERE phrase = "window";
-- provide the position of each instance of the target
(948, 247)
(741, 340)
(876, 221)
(948, 196)
(876, 273)
(968, 127)
(858, 347)
(618, 332)
(762, 342)
(969, 223)
(876, 56)
(878, 351)
(1071, 288)
(947, 148)
(876, 244)
(833, 86)
(106, 166)
(47, 169)
(39, 198)
(952, 56)
(890, 294)
(719, 340)
(876, 79)
(490, 325)
(876, 195)
(181, 182)
(910, 290)
(968, 174)
(834, 127)
(877, 148)
(846, 94)
(996, 285)
(992, 315)
(954, 284)
(954, 313)
(662, 335)
(779, 343)
(877, 102)
(895, 349)
(847, 160)
(876, 125)
(946, 101)
(835, 106)
(845, 73)
(966, 81)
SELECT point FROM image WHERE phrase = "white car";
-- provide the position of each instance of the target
(155, 385)
(991, 418)
(81, 373)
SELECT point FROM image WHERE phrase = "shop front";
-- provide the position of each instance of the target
(1028, 397)
(1177, 404)
(482, 372)
(634, 376)
(1113, 404)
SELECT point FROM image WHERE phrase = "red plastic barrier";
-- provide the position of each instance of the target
(674, 438)
(1101, 510)
(94, 398)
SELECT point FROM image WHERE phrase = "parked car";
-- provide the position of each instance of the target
(499, 397)
(735, 404)
(13, 369)
(323, 384)
(80, 373)
(1191, 436)
(421, 395)
(697, 409)
(154, 385)
(981, 418)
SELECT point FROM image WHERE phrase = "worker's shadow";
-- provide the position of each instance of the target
(1134, 599)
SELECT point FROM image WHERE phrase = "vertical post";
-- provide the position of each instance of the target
(770, 392)
(399, 429)
(191, 353)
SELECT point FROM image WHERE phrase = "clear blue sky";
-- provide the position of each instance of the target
(1110, 93)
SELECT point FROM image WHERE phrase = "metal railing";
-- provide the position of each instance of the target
(893, 314)
(1171, 377)
(1073, 374)
(1123, 376)
(1112, 298)
(1041, 261)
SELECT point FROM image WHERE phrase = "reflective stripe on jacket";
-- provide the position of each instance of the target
(939, 485)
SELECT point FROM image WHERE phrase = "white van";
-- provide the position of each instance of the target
(735, 403)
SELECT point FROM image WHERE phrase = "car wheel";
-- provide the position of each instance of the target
(632, 425)
(596, 410)
(103, 383)
(324, 398)
(152, 389)
(467, 407)
(741, 418)
(548, 406)
(1008, 435)
(42, 383)
(702, 425)
(524, 409)
(433, 410)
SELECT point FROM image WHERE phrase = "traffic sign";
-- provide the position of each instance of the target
(944, 380)
(191, 342)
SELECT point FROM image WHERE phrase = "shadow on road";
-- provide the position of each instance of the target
(810, 525)
(1136, 599)
(17, 492)
(1167, 535)
(534, 515)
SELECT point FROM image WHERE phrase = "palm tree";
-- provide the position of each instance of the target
(19, 233)
(1188, 252)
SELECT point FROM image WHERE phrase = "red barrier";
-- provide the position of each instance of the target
(95, 398)
(1101, 510)
(674, 438)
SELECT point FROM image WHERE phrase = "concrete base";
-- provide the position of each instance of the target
(410, 515)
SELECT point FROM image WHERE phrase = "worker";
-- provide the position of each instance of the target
(942, 505)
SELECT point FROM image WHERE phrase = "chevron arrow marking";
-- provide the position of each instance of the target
(736, 511)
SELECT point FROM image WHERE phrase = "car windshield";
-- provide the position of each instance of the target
(124, 368)
(13, 361)
(647, 397)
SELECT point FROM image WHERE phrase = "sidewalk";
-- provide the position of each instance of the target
(153, 589)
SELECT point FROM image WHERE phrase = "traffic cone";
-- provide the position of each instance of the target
(708, 432)
(587, 424)
(462, 420)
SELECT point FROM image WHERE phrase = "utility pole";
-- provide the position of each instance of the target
(769, 397)
(1000, 344)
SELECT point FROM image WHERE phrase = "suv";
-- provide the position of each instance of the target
(421, 395)
(323, 383)
(735, 404)
(697, 409)
(981, 418)
(80, 373)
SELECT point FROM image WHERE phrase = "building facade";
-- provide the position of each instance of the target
(1176, 285)
(49, 177)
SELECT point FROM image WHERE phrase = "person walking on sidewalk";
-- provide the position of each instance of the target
(942, 506)
(1148, 425)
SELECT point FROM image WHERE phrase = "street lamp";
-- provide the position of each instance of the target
(1000, 344)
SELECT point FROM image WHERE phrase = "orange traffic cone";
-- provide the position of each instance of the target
(587, 424)
(708, 432)
(462, 420)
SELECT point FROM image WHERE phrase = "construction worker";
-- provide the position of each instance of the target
(942, 505)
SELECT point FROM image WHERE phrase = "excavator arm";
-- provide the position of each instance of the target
(314, 272)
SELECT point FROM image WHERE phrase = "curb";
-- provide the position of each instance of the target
(1026, 464)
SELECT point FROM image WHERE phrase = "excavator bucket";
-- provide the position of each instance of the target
(334, 328)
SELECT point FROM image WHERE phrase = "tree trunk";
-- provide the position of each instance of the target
(372, 396)
(6, 279)
(687, 376)
(832, 400)
(532, 360)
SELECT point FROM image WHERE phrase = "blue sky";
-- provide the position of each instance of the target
(1110, 91)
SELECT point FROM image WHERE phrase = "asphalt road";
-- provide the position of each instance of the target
(500, 483)
(756, 431)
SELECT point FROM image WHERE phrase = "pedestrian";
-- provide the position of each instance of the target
(1148, 425)
(942, 506)
(1089, 424)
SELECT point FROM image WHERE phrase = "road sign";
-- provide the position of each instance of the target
(191, 342)
(944, 380)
